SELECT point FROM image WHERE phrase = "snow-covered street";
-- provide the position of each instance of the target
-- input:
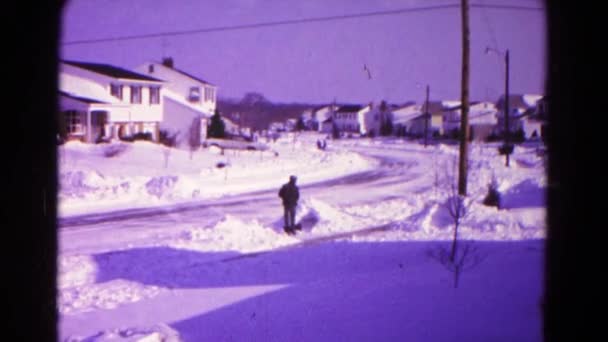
(189, 250)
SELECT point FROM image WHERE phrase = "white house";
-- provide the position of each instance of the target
(103, 101)
(403, 118)
(376, 118)
(356, 119)
(322, 114)
(411, 119)
(482, 118)
(186, 98)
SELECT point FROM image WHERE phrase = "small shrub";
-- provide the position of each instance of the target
(505, 149)
(165, 138)
(145, 136)
(492, 198)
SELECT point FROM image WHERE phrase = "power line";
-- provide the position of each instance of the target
(292, 22)
(509, 7)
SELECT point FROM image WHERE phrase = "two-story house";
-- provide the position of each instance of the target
(482, 119)
(412, 119)
(322, 118)
(354, 119)
(186, 99)
(101, 101)
(403, 119)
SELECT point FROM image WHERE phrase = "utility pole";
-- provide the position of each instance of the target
(507, 148)
(426, 116)
(464, 118)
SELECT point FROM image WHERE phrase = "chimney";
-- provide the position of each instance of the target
(168, 62)
(371, 105)
(151, 68)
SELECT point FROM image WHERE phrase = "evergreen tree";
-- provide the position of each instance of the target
(216, 128)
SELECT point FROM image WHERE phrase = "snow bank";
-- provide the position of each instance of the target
(233, 234)
(105, 177)
(79, 290)
(156, 333)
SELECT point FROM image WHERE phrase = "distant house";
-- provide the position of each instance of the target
(518, 105)
(277, 127)
(101, 101)
(355, 119)
(320, 115)
(326, 126)
(307, 120)
(403, 118)
(410, 119)
(532, 126)
(541, 115)
(290, 124)
(482, 119)
(186, 98)
(232, 129)
(542, 108)
(377, 118)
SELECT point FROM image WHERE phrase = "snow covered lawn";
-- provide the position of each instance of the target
(367, 266)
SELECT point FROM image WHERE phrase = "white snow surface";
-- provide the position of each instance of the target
(107, 281)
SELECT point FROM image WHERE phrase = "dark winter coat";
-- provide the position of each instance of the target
(290, 194)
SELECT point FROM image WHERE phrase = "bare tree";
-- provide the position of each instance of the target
(168, 141)
(458, 206)
(461, 255)
(467, 258)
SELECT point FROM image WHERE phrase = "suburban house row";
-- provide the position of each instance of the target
(101, 102)
(528, 114)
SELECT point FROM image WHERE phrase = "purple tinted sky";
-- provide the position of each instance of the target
(315, 62)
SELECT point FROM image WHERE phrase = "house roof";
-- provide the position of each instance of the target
(80, 98)
(453, 105)
(112, 71)
(515, 101)
(434, 107)
(319, 107)
(349, 108)
(184, 73)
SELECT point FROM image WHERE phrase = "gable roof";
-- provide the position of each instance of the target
(458, 106)
(112, 71)
(174, 69)
(349, 108)
(191, 76)
(515, 101)
(80, 98)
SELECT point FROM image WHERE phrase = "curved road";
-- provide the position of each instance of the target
(395, 168)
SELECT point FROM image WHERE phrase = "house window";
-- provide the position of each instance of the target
(195, 94)
(154, 95)
(209, 94)
(135, 94)
(116, 90)
(73, 122)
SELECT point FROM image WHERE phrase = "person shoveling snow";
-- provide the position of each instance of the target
(290, 194)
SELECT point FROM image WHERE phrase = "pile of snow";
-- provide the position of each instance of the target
(79, 291)
(233, 234)
(156, 333)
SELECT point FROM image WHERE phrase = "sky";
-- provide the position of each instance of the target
(224, 269)
(317, 62)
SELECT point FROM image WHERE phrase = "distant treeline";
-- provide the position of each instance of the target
(256, 112)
